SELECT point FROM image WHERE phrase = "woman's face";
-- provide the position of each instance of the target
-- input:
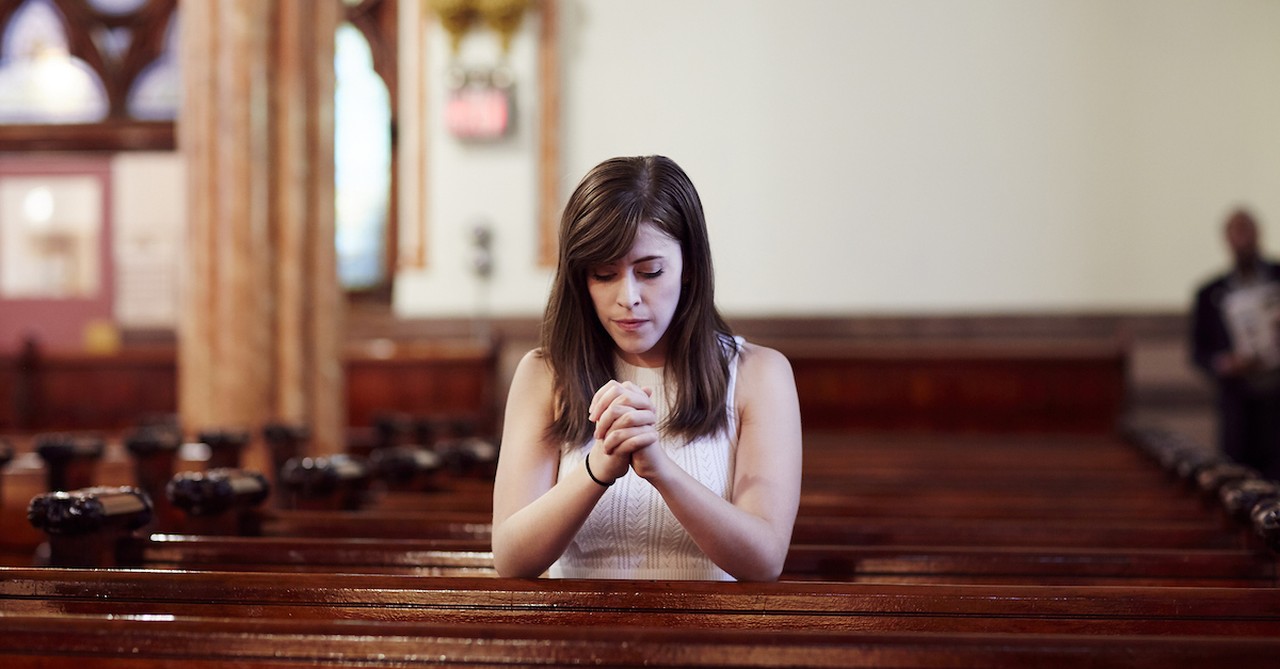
(636, 295)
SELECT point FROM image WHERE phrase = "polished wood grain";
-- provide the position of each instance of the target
(1220, 611)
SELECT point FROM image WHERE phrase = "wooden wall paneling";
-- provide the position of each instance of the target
(961, 387)
(1030, 386)
(457, 381)
(112, 392)
(85, 392)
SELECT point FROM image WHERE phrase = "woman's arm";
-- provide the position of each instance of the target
(535, 516)
(747, 536)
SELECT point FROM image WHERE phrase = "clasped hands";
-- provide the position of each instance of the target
(626, 427)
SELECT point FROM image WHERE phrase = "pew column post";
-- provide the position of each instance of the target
(153, 452)
(70, 460)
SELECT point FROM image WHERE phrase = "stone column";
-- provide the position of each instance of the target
(260, 331)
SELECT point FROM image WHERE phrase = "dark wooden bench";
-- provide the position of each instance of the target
(997, 508)
(862, 531)
(78, 537)
(78, 391)
(885, 564)
(1237, 612)
(955, 385)
(930, 633)
(831, 544)
(67, 641)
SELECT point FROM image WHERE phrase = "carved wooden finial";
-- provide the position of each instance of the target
(1266, 523)
(469, 456)
(89, 510)
(1241, 496)
(148, 440)
(406, 467)
(216, 491)
(336, 481)
(1212, 477)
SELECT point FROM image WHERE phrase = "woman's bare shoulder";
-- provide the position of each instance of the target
(534, 369)
(529, 399)
(765, 381)
(761, 360)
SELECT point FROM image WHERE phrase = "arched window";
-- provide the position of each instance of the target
(87, 74)
(40, 81)
(362, 161)
(364, 147)
(103, 75)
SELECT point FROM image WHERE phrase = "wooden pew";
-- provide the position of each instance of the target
(64, 641)
(1088, 484)
(884, 514)
(1185, 533)
(80, 391)
(958, 385)
(1160, 506)
(1234, 612)
(970, 562)
(936, 383)
(854, 530)
(852, 564)
(950, 504)
(73, 528)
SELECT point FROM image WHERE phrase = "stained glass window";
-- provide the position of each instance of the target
(362, 161)
(44, 83)
(117, 6)
(157, 92)
(40, 81)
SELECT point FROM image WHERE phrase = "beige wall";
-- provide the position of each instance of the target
(889, 156)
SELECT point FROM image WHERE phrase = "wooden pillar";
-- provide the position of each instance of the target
(260, 333)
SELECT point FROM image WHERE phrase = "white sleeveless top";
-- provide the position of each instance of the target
(631, 533)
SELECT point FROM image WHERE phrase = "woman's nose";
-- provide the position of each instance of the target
(628, 291)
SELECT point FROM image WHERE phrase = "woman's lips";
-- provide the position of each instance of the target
(630, 324)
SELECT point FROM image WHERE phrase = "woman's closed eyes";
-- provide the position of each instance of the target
(652, 271)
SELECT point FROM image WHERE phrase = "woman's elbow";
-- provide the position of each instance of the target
(508, 566)
(766, 567)
(514, 570)
(764, 574)
(511, 562)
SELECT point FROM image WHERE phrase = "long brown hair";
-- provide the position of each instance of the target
(599, 226)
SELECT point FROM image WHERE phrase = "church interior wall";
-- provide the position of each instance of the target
(889, 157)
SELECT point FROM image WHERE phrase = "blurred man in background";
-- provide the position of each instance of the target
(1236, 342)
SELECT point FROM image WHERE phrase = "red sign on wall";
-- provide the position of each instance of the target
(479, 112)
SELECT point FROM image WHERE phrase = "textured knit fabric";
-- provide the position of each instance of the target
(631, 533)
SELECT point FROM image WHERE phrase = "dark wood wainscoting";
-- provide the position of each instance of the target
(451, 380)
(60, 391)
(961, 386)
(1074, 384)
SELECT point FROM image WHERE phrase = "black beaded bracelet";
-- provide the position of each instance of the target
(593, 476)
